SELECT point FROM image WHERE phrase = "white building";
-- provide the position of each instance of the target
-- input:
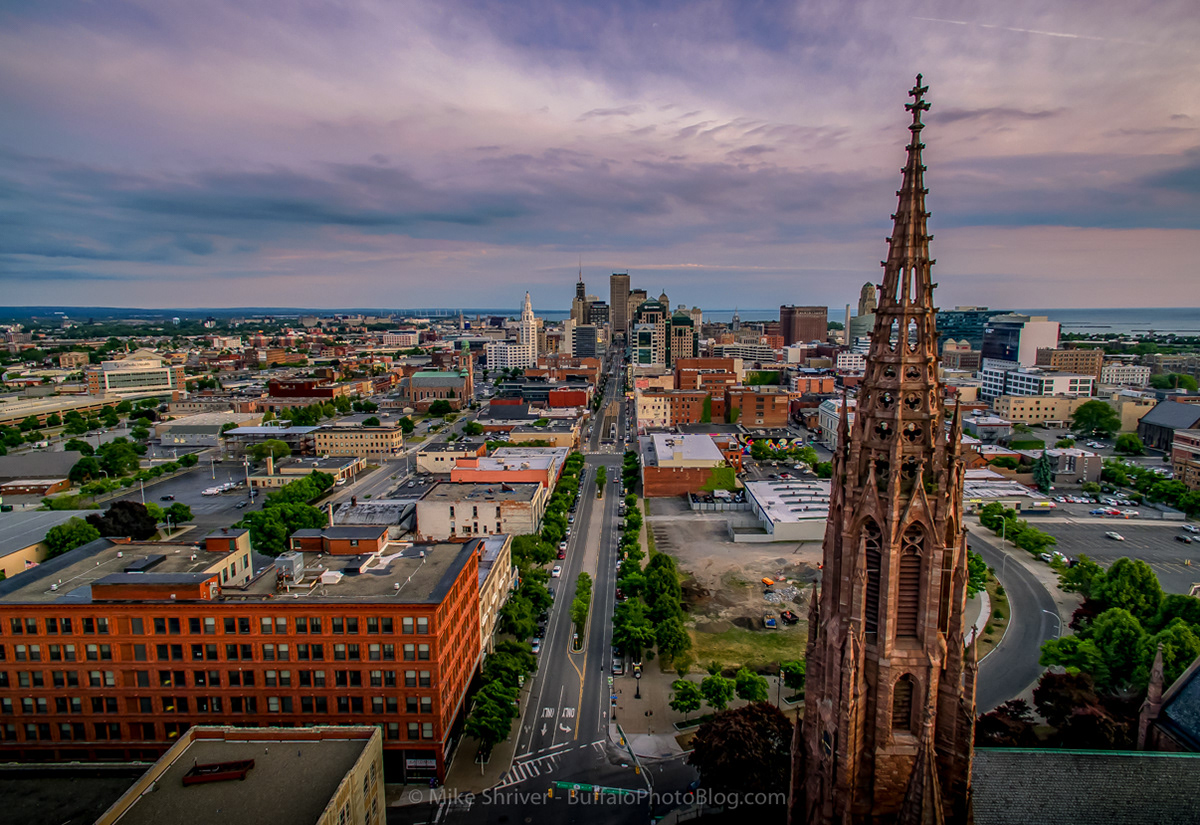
(1015, 339)
(793, 510)
(828, 415)
(851, 362)
(401, 338)
(1133, 375)
(449, 511)
(997, 381)
(521, 355)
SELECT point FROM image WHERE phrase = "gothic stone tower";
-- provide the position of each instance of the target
(890, 706)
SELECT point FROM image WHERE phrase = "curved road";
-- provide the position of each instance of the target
(1013, 665)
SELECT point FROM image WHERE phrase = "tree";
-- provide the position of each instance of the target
(1063, 443)
(372, 421)
(1118, 636)
(79, 446)
(632, 629)
(750, 686)
(744, 751)
(472, 428)
(29, 423)
(272, 447)
(406, 425)
(53, 420)
(179, 513)
(67, 536)
(977, 573)
(1076, 654)
(1008, 726)
(1173, 381)
(1081, 577)
(1175, 606)
(1129, 444)
(718, 691)
(686, 697)
(271, 527)
(189, 460)
(1180, 646)
(440, 407)
(672, 638)
(139, 433)
(85, 469)
(492, 716)
(793, 674)
(1095, 418)
(125, 518)
(1058, 695)
(706, 410)
(1043, 473)
(1130, 584)
(1005, 462)
(119, 457)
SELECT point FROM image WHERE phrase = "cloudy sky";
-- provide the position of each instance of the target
(445, 153)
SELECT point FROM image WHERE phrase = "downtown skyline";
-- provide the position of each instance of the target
(161, 155)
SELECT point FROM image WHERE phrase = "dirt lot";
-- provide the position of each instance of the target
(723, 589)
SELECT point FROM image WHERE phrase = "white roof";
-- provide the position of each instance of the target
(791, 500)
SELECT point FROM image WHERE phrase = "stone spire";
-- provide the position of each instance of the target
(885, 733)
(1153, 704)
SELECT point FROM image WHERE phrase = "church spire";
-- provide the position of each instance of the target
(884, 738)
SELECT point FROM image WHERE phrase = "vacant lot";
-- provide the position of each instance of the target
(723, 589)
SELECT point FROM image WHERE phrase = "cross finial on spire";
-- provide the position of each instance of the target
(919, 103)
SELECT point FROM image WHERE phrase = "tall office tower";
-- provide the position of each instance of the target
(579, 303)
(636, 298)
(867, 300)
(888, 726)
(1014, 339)
(618, 302)
(799, 325)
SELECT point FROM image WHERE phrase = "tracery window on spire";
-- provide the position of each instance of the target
(902, 703)
(872, 541)
(908, 596)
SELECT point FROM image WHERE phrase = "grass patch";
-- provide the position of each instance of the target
(414, 439)
(722, 478)
(754, 649)
(993, 632)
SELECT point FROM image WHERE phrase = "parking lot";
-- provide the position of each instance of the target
(1153, 543)
(209, 511)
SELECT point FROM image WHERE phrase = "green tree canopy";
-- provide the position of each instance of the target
(718, 691)
(79, 446)
(1130, 584)
(1173, 381)
(440, 407)
(1118, 636)
(67, 536)
(750, 686)
(125, 518)
(272, 447)
(686, 697)
(672, 638)
(1095, 418)
(1129, 444)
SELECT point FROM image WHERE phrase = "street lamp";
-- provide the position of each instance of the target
(1058, 621)
(637, 675)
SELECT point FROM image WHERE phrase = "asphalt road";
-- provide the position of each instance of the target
(1013, 665)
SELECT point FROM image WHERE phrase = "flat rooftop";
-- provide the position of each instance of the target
(292, 782)
(658, 448)
(552, 427)
(791, 500)
(424, 573)
(463, 445)
(474, 491)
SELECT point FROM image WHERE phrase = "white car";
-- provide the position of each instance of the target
(556, 572)
(537, 645)
(1191, 528)
(1114, 536)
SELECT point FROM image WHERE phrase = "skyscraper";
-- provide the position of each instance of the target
(803, 324)
(618, 302)
(890, 701)
(867, 300)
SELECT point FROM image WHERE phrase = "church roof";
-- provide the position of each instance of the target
(1181, 707)
(1173, 415)
(1011, 786)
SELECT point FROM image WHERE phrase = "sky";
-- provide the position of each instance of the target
(402, 153)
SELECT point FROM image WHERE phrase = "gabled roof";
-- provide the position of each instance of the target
(38, 465)
(1173, 415)
(1181, 707)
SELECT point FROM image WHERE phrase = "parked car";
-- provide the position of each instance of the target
(562, 554)
(789, 617)
(562, 545)
(556, 572)
(1114, 536)
(166, 498)
(1191, 528)
(537, 645)
(1184, 539)
(1046, 557)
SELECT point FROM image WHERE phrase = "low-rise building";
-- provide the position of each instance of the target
(202, 429)
(1119, 372)
(556, 433)
(673, 464)
(441, 456)
(989, 429)
(300, 440)
(1038, 410)
(790, 510)
(1083, 361)
(451, 511)
(366, 442)
(73, 360)
(513, 465)
(22, 537)
(143, 371)
(341, 539)
(320, 775)
(998, 381)
(711, 374)
(1070, 466)
(497, 578)
(278, 473)
(1158, 427)
(758, 406)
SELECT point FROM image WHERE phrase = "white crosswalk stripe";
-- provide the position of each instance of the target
(529, 769)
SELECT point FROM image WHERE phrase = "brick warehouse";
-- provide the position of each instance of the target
(111, 651)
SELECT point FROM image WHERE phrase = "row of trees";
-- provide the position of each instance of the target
(1003, 521)
(285, 511)
(554, 520)
(1150, 486)
(582, 602)
(1124, 620)
(496, 704)
(123, 518)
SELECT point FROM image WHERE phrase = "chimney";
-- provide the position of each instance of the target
(270, 465)
(330, 505)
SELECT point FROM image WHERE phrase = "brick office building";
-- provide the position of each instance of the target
(113, 650)
(760, 406)
(712, 374)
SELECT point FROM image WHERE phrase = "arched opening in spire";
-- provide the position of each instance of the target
(894, 336)
(908, 596)
(913, 335)
(872, 541)
(902, 703)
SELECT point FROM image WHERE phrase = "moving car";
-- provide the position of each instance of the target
(1114, 536)
(166, 498)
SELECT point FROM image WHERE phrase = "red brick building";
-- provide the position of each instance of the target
(712, 374)
(111, 651)
(759, 406)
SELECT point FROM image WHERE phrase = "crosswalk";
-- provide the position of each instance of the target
(533, 767)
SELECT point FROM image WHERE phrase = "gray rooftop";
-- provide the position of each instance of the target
(21, 530)
(482, 492)
(291, 782)
(1170, 414)
(343, 532)
(38, 465)
(1011, 786)
(1181, 707)
(463, 445)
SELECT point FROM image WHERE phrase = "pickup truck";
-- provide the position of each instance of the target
(770, 622)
